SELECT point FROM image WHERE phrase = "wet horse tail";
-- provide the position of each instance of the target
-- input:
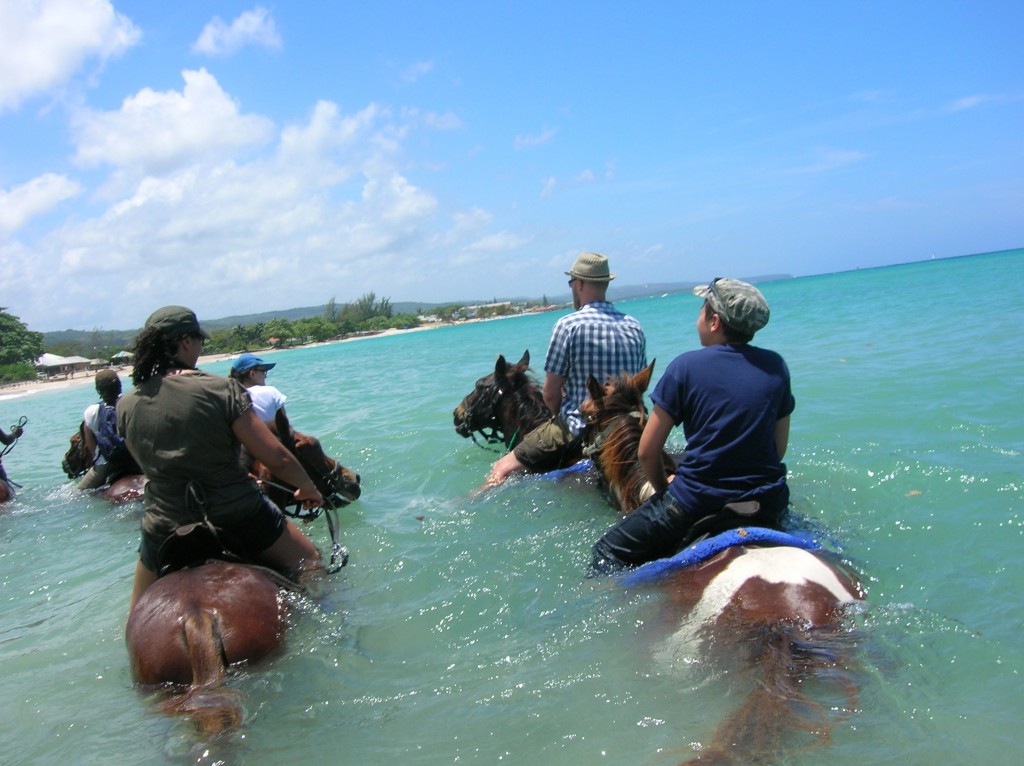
(213, 707)
(780, 715)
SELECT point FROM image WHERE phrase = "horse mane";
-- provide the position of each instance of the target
(616, 415)
(528, 400)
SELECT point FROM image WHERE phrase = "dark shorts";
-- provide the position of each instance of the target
(247, 537)
(549, 446)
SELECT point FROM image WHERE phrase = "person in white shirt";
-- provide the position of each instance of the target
(251, 371)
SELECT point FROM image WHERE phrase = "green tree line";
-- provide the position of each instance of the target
(21, 347)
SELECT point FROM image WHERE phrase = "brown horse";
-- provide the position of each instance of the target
(6, 491)
(503, 406)
(123, 489)
(336, 483)
(771, 600)
(615, 416)
(194, 623)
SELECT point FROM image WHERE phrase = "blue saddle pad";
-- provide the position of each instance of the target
(705, 549)
(584, 465)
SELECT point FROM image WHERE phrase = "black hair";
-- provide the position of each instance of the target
(109, 390)
(732, 335)
(155, 354)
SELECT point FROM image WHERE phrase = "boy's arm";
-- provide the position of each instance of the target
(782, 436)
(652, 444)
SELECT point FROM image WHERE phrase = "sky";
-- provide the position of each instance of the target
(237, 157)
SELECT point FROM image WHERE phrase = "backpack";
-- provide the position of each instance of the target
(110, 444)
(77, 459)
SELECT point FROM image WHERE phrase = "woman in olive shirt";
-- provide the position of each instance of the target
(185, 427)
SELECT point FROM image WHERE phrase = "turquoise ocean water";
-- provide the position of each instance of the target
(463, 630)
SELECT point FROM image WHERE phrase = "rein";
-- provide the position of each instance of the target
(339, 554)
(16, 427)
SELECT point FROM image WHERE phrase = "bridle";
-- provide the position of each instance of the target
(490, 428)
(595, 447)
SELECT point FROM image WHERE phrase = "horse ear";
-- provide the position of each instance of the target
(643, 378)
(284, 428)
(500, 368)
(596, 389)
(525, 361)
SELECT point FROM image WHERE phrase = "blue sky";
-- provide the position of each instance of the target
(235, 157)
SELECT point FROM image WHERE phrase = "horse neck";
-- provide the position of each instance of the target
(618, 462)
(521, 412)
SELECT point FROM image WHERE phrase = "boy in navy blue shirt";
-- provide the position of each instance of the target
(734, 402)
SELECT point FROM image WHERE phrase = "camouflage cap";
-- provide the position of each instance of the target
(175, 321)
(740, 304)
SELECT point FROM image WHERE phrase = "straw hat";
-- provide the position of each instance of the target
(591, 267)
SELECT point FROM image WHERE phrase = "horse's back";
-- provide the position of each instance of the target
(232, 609)
(125, 489)
(754, 585)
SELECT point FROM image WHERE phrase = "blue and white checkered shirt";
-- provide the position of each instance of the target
(596, 340)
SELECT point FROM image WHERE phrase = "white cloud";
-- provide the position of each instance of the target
(320, 212)
(416, 70)
(44, 43)
(39, 195)
(529, 142)
(499, 242)
(549, 187)
(971, 102)
(442, 121)
(255, 27)
(156, 132)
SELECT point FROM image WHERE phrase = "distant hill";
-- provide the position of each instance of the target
(615, 292)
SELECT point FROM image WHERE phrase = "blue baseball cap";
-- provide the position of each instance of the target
(247, 362)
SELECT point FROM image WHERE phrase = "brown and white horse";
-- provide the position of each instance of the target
(196, 622)
(503, 406)
(772, 601)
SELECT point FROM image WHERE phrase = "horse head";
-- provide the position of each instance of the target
(504, 405)
(615, 415)
(338, 485)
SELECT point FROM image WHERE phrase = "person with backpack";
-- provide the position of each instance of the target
(110, 456)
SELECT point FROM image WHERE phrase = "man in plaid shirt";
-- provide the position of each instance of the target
(597, 340)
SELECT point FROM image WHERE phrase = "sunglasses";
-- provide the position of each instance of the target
(712, 290)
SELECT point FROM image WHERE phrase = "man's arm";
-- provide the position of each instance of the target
(652, 445)
(782, 436)
(554, 385)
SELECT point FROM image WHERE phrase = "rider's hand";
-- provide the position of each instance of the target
(17, 431)
(309, 499)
